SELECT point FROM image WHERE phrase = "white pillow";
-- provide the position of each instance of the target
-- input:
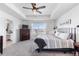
(63, 35)
(42, 36)
(57, 34)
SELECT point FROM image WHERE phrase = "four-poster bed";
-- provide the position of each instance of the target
(63, 45)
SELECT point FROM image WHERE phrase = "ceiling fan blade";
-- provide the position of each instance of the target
(39, 12)
(41, 7)
(27, 8)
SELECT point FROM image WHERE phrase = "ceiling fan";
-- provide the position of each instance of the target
(34, 8)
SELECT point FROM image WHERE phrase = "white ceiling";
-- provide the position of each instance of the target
(61, 9)
(46, 11)
(52, 10)
(10, 11)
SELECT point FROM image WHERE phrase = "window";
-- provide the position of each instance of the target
(39, 26)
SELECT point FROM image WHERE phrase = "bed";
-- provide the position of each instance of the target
(56, 43)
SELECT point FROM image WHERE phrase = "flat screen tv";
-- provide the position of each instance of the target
(25, 26)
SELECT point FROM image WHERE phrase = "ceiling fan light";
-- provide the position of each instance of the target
(34, 11)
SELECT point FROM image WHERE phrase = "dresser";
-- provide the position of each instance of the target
(1, 44)
(24, 34)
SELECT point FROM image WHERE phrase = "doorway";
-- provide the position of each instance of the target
(9, 31)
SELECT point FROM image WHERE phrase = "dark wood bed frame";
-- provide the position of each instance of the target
(62, 49)
(57, 50)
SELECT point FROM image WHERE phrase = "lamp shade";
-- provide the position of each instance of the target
(77, 25)
(55, 27)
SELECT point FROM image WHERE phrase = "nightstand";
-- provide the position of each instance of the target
(77, 47)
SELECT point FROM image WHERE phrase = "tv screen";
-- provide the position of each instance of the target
(25, 26)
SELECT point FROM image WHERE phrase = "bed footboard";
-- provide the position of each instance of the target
(57, 50)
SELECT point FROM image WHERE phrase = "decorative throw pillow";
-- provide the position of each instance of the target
(63, 35)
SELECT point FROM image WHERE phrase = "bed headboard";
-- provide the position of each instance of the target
(64, 30)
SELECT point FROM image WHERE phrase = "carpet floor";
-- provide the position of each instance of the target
(25, 48)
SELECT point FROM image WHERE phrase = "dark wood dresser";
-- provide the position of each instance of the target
(24, 34)
(1, 44)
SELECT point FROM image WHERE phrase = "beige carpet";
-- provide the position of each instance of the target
(25, 48)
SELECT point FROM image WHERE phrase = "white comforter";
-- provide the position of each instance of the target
(53, 42)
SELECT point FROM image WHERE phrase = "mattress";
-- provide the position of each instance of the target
(53, 42)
